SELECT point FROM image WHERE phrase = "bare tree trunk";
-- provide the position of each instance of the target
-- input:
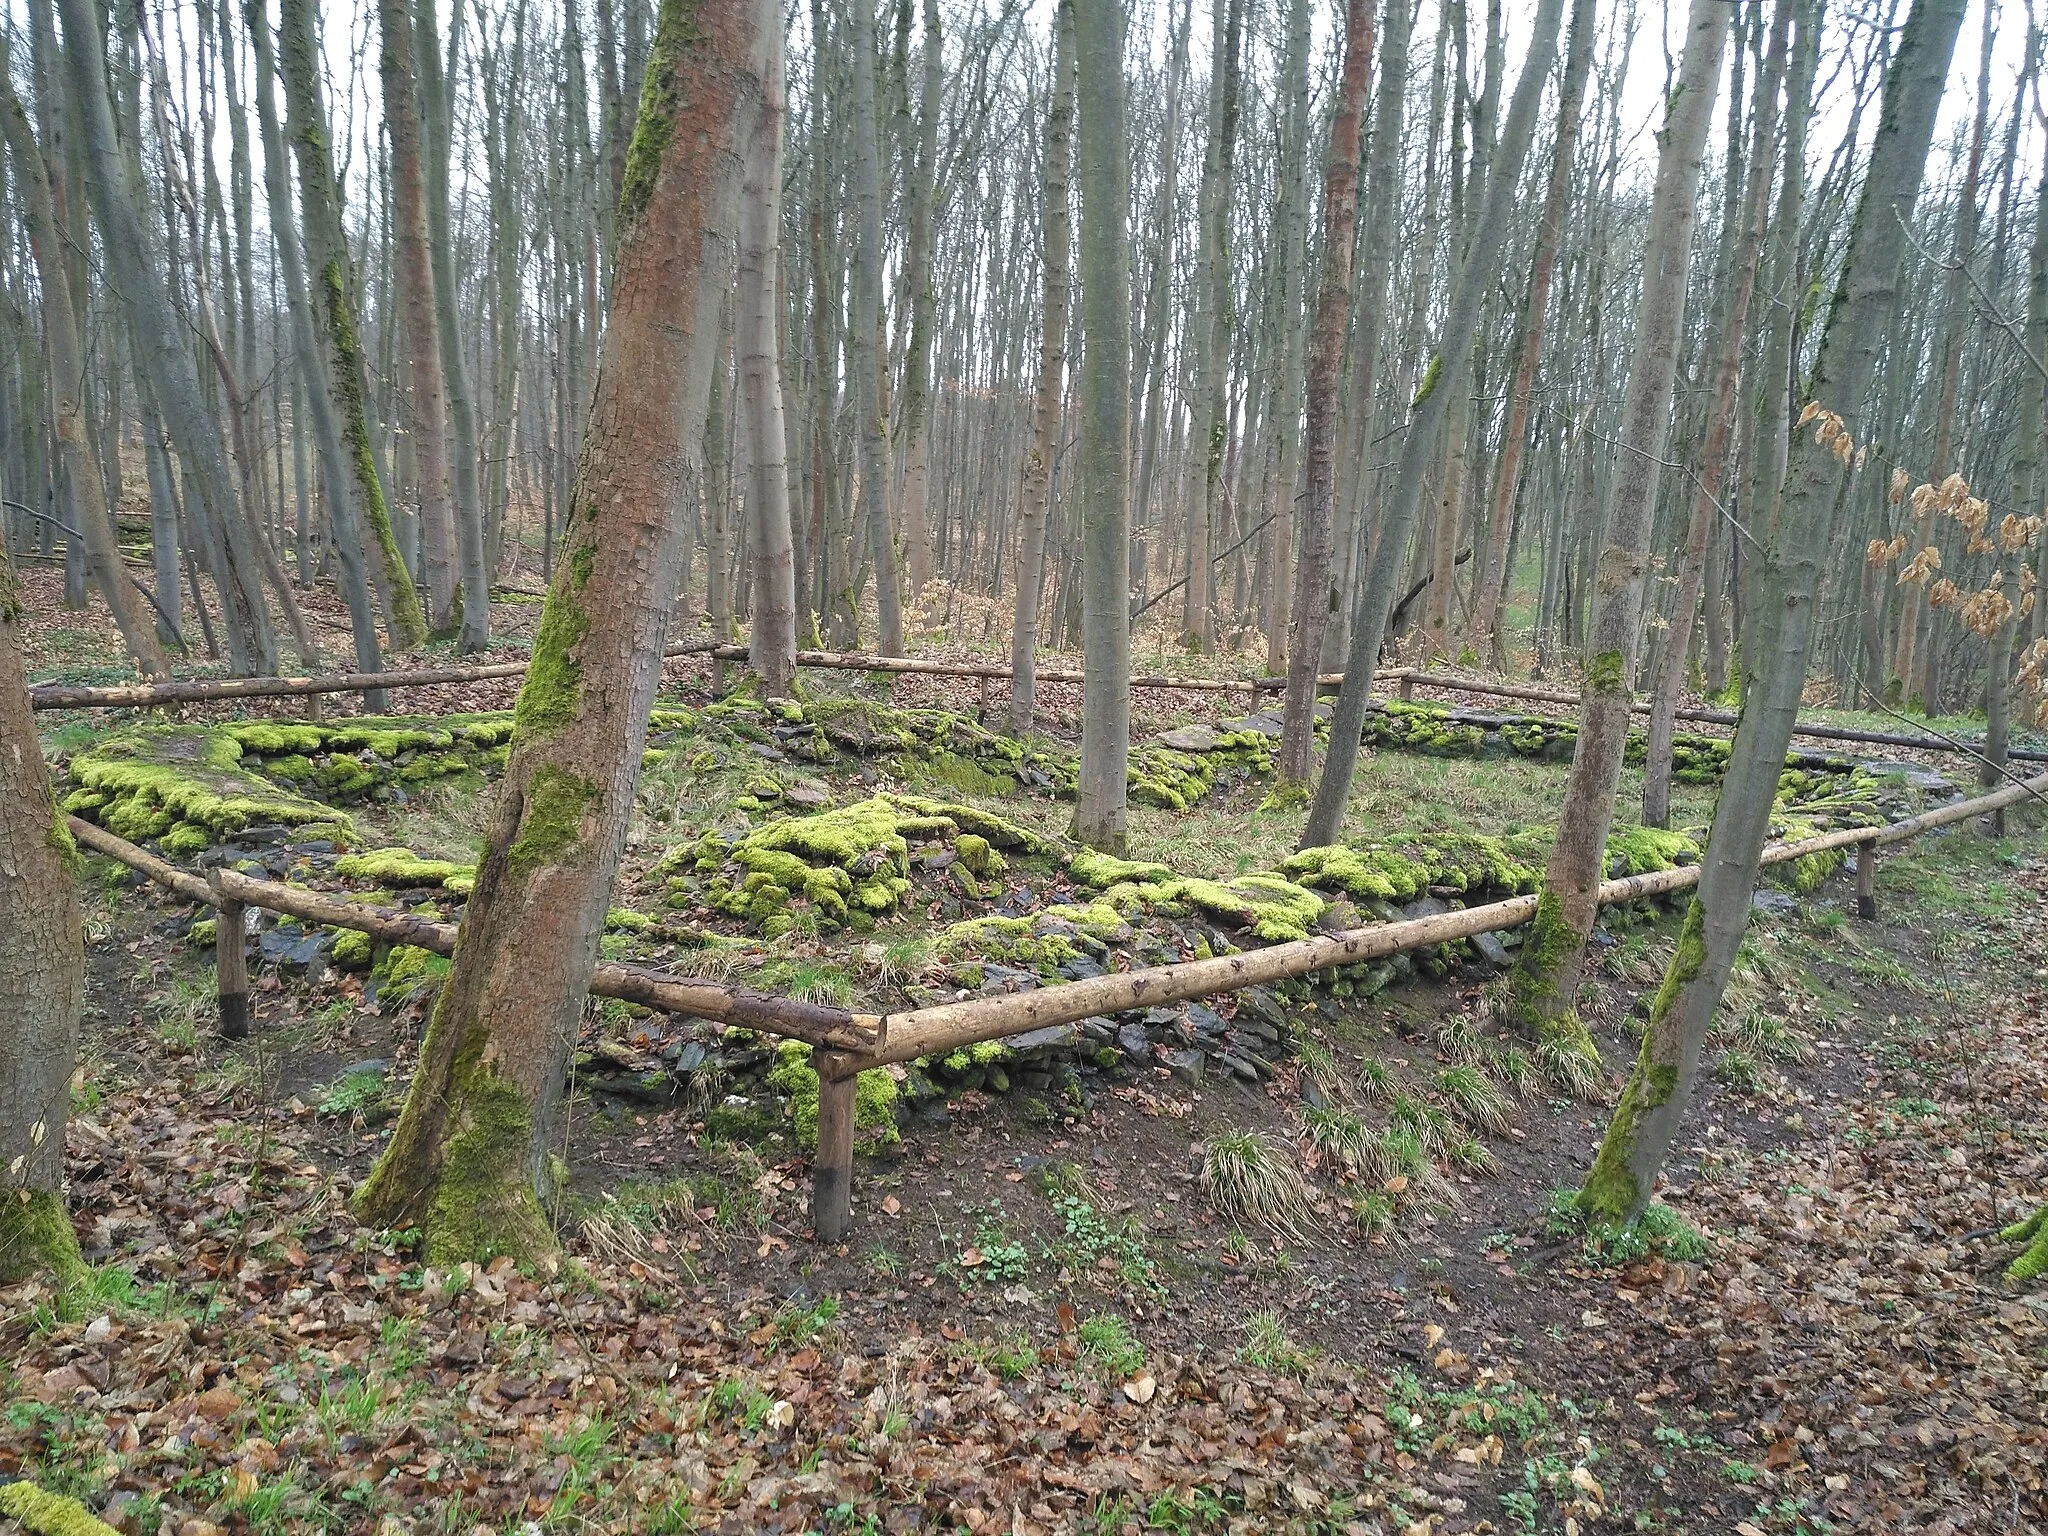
(157, 336)
(772, 637)
(1492, 583)
(1447, 371)
(426, 415)
(1290, 221)
(320, 417)
(1212, 324)
(470, 1161)
(924, 307)
(1326, 359)
(1544, 989)
(1659, 1088)
(335, 319)
(867, 347)
(1158, 319)
(1057, 238)
(67, 406)
(1668, 679)
(1105, 492)
(42, 977)
(436, 117)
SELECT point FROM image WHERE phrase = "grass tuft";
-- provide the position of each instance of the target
(1473, 1098)
(1248, 1178)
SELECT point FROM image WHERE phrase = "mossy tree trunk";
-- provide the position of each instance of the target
(1057, 241)
(335, 318)
(1544, 986)
(326, 430)
(1787, 577)
(67, 376)
(1105, 502)
(42, 979)
(1421, 447)
(469, 1162)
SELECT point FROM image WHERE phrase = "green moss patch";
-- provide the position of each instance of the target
(400, 867)
(189, 780)
(875, 1099)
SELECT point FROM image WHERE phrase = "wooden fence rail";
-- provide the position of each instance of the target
(847, 1043)
(1405, 680)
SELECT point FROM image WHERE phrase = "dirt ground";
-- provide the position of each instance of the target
(1040, 1323)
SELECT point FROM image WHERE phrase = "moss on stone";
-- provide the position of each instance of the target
(1007, 941)
(40, 1513)
(146, 781)
(36, 1238)
(352, 949)
(1272, 907)
(1099, 871)
(399, 867)
(404, 967)
(1643, 850)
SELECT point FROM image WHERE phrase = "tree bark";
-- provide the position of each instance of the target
(1105, 174)
(1545, 985)
(437, 118)
(1492, 583)
(1057, 241)
(772, 637)
(325, 426)
(867, 346)
(158, 338)
(924, 310)
(1311, 612)
(426, 413)
(471, 1160)
(1375, 596)
(1654, 1101)
(42, 978)
(69, 422)
(1212, 324)
(336, 321)
(1668, 678)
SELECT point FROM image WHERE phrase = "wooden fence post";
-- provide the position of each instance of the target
(231, 961)
(1866, 880)
(1407, 687)
(832, 1170)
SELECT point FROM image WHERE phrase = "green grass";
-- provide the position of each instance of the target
(1107, 1342)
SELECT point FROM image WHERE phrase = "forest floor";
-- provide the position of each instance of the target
(1040, 1323)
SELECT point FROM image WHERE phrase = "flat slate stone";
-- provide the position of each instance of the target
(1044, 1042)
(1191, 738)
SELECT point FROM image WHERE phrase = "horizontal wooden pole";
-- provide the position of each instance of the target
(150, 695)
(733, 1007)
(1457, 683)
(948, 1026)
